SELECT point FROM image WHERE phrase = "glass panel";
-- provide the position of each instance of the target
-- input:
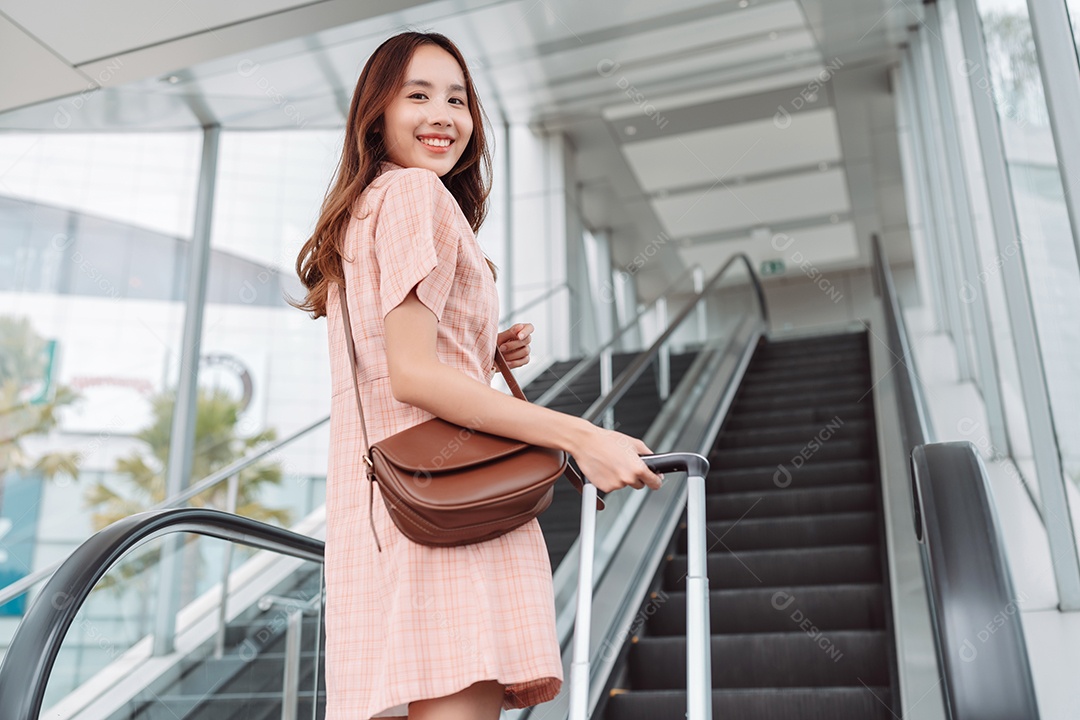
(1049, 250)
(989, 286)
(94, 232)
(1073, 8)
(264, 363)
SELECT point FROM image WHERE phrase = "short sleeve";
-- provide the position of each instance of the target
(415, 242)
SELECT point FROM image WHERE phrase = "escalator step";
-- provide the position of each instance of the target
(855, 528)
(763, 376)
(792, 501)
(792, 433)
(821, 703)
(789, 566)
(817, 347)
(818, 414)
(812, 658)
(772, 477)
(799, 386)
(763, 610)
(825, 372)
(796, 361)
(855, 338)
(814, 449)
(825, 396)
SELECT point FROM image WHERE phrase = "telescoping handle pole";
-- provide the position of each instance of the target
(698, 650)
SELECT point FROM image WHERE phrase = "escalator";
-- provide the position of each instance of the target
(798, 603)
(246, 681)
(800, 621)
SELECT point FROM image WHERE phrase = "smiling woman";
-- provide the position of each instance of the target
(450, 632)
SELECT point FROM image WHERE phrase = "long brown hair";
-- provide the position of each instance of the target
(469, 181)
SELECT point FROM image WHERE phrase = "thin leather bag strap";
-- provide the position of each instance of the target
(370, 470)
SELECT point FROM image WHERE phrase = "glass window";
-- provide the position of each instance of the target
(1045, 233)
(93, 236)
(270, 359)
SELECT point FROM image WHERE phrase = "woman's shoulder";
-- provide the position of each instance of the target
(412, 185)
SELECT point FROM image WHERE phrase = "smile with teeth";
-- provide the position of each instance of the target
(436, 142)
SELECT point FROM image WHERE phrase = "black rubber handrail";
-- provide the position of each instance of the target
(980, 640)
(28, 662)
(973, 608)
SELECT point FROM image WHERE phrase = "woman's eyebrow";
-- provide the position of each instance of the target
(425, 84)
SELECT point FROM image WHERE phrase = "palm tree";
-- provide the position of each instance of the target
(141, 480)
(24, 362)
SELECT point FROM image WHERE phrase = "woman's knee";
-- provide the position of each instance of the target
(479, 701)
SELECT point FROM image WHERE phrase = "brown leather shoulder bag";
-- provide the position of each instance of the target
(444, 484)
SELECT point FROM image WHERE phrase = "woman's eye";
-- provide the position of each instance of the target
(458, 100)
(418, 94)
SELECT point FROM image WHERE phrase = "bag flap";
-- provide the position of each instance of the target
(436, 445)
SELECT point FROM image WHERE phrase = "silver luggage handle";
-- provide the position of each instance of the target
(698, 646)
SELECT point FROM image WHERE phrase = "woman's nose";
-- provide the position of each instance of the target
(438, 114)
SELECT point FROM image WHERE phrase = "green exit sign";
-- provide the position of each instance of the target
(772, 267)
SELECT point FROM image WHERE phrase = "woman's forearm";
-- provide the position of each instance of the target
(452, 395)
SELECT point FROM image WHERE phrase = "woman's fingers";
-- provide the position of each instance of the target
(511, 343)
(514, 344)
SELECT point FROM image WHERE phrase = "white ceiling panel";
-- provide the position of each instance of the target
(506, 29)
(813, 247)
(689, 159)
(727, 26)
(51, 77)
(726, 207)
(89, 30)
(664, 65)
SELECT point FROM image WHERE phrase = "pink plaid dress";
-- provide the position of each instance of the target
(415, 622)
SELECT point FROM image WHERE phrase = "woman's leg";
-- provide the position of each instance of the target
(480, 701)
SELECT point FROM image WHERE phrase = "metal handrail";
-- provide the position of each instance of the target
(20, 586)
(28, 662)
(586, 362)
(630, 375)
(535, 301)
(915, 425)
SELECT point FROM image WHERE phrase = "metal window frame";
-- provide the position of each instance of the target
(941, 198)
(1033, 387)
(182, 435)
(1060, 70)
(933, 272)
(986, 358)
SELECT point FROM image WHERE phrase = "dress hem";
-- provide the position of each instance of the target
(526, 693)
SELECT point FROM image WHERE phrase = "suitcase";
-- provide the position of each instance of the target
(698, 650)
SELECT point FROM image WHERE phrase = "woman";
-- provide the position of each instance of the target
(429, 632)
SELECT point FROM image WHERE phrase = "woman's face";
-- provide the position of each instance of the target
(427, 124)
